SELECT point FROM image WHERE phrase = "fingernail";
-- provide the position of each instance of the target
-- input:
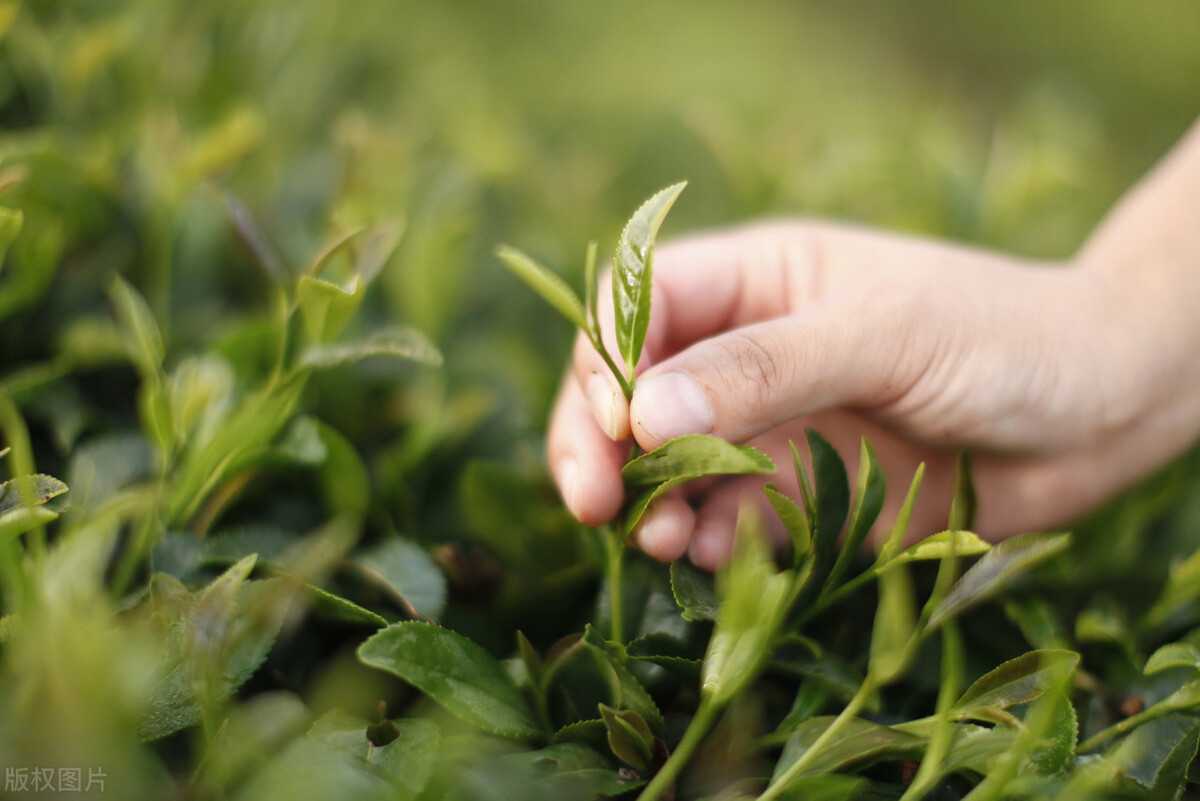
(568, 482)
(602, 397)
(671, 405)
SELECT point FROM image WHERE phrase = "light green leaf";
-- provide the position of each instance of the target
(1056, 752)
(896, 538)
(335, 606)
(633, 267)
(458, 674)
(139, 329)
(998, 568)
(393, 343)
(895, 625)
(11, 221)
(941, 545)
(694, 592)
(553, 289)
(1174, 654)
(1019, 680)
(828, 787)
(794, 520)
(326, 307)
(694, 455)
(859, 743)
(404, 568)
(591, 289)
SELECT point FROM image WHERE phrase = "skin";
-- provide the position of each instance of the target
(1068, 381)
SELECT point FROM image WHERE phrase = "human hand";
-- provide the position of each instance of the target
(1064, 383)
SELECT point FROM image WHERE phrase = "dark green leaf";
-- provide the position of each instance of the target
(629, 737)
(694, 455)
(335, 606)
(35, 490)
(626, 691)
(546, 283)
(870, 489)
(455, 672)
(1020, 680)
(998, 568)
(1156, 754)
(832, 487)
(404, 568)
(344, 477)
(633, 268)
(391, 343)
(694, 592)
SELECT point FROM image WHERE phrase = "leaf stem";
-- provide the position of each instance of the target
(1118, 728)
(626, 385)
(698, 727)
(614, 544)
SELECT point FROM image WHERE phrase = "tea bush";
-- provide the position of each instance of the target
(275, 521)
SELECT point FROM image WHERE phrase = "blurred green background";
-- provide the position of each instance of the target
(543, 124)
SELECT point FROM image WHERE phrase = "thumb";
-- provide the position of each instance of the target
(858, 350)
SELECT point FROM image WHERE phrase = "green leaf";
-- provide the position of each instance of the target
(1157, 754)
(641, 502)
(626, 691)
(591, 290)
(11, 221)
(998, 568)
(344, 477)
(546, 283)
(1019, 680)
(455, 672)
(829, 787)
(1056, 752)
(253, 238)
(139, 329)
(694, 592)
(859, 743)
(326, 307)
(902, 519)
(832, 487)
(335, 606)
(941, 545)
(895, 626)
(794, 520)
(633, 268)
(870, 489)
(629, 737)
(694, 455)
(392, 343)
(1173, 654)
(405, 569)
(35, 490)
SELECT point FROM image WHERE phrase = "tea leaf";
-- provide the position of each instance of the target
(693, 456)
(11, 221)
(326, 307)
(996, 569)
(896, 538)
(628, 736)
(405, 569)
(859, 743)
(35, 490)
(1174, 654)
(591, 291)
(253, 238)
(1157, 754)
(1019, 680)
(895, 625)
(335, 606)
(139, 329)
(832, 487)
(546, 283)
(396, 343)
(870, 489)
(794, 520)
(455, 672)
(1056, 752)
(940, 545)
(627, 691)
(694, 592)
(828, 787)
(964, 502)
(633, 267)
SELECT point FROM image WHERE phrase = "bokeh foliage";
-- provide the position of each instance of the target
(201, 156)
